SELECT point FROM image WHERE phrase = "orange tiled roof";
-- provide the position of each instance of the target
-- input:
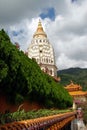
(78, 93)
(73, 87)
(75, 90)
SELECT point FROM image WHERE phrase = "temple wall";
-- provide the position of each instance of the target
(25, 105)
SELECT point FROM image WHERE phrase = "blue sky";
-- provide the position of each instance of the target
(18, 32)
(48, 13)
(73, 0)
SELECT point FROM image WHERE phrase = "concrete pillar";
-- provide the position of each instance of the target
(74, 106)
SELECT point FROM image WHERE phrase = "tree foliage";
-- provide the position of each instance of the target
(77, 75)
(22, 79)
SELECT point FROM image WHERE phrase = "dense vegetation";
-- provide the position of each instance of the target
(77, 75)
(22, 115)
(22, 79)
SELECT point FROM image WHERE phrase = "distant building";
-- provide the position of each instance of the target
(77, 93)
(42, 51)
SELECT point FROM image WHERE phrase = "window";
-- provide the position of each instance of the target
(47, 60)
(40, 40)
(40, 51)
(51, 72)
(36, 41)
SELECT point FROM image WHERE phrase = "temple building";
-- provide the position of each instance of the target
(42, 51)
(76, 92)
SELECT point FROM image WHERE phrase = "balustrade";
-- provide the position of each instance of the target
(55, 122)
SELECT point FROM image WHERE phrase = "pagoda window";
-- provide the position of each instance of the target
(47, 60)
(51, 61)
(40, 51)
(36, 41)
(43, 40)
(46, 69)
(51, 72)
(43, 59)
(40, 41)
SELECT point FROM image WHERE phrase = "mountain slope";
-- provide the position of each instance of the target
(77, 75)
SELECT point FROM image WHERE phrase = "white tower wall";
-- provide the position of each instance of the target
(42, 51)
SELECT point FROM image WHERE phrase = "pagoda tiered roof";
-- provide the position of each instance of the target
(75, 90)
(78, 93)
(39, 32)
(73, 87)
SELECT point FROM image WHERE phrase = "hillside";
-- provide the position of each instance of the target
(22, 79)
(77, 75)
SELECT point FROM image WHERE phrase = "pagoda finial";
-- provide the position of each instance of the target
(40, 25)
(71, 82)
(39, 20)
(40, 31)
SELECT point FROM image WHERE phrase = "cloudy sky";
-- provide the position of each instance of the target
(64, 21)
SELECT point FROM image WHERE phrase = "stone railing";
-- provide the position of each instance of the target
(42, 123)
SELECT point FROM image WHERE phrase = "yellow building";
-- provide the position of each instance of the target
(76, 92)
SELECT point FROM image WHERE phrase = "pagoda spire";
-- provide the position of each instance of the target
(39, 30)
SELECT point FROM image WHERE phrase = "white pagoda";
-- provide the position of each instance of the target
(42, 51)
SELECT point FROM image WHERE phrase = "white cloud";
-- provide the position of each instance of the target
(64, 62)
(67, 34)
